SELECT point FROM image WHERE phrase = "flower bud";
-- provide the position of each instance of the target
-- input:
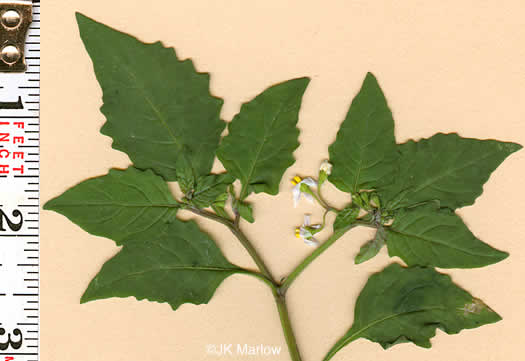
(326, 167)
(322, 177)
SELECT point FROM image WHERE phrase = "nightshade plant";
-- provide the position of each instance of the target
(161, 114)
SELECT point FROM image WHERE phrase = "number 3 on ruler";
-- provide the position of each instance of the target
(16, 345)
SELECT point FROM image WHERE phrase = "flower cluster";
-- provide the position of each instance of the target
(304, 188)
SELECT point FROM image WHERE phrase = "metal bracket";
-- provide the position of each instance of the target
(15, 18)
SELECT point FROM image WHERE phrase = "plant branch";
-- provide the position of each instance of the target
(286, 324)
(252, 251)
(237, 218)
(234, 228)
(364, 224)
(309, 259)
(264, 276)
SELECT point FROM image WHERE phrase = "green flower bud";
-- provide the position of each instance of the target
(323, 176)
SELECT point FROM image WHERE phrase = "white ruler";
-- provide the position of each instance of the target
(19, 200)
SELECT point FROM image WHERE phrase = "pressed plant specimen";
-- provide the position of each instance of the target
(160, 112)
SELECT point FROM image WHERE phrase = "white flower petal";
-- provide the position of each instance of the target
(308, 197)
(312, 242)
(305, 233)
(306, 220)
(309, 182)
(296, 194)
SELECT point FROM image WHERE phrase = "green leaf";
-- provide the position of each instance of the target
(428, 235)
(245, 211)
(119, 204)
(263, 137)
(221, 200)
(155, 104)
(209, 188)
(407, 305)
(185, 173)
(346, 217)
(175, 263)
(371, 248)
(445, 167)
(220, 211)
(219, 205)
(364, 152)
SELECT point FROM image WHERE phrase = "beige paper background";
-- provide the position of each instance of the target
(444, 66)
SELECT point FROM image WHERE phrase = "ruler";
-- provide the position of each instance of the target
(19, 179)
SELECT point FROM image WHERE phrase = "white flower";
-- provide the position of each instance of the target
(326, 167)
(297, 191)
(305, 232)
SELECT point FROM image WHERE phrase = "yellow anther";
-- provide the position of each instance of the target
(296, 180)
(298, 233)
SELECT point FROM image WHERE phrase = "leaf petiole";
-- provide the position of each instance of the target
(270, 283)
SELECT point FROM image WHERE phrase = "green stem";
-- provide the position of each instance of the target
(252, 251)
(286, 324)
(324, 218)
(244, 192)
(364, 224)
(320, 250)
(323, 203)
(317, 197)
(234, 228)
(264, 276)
